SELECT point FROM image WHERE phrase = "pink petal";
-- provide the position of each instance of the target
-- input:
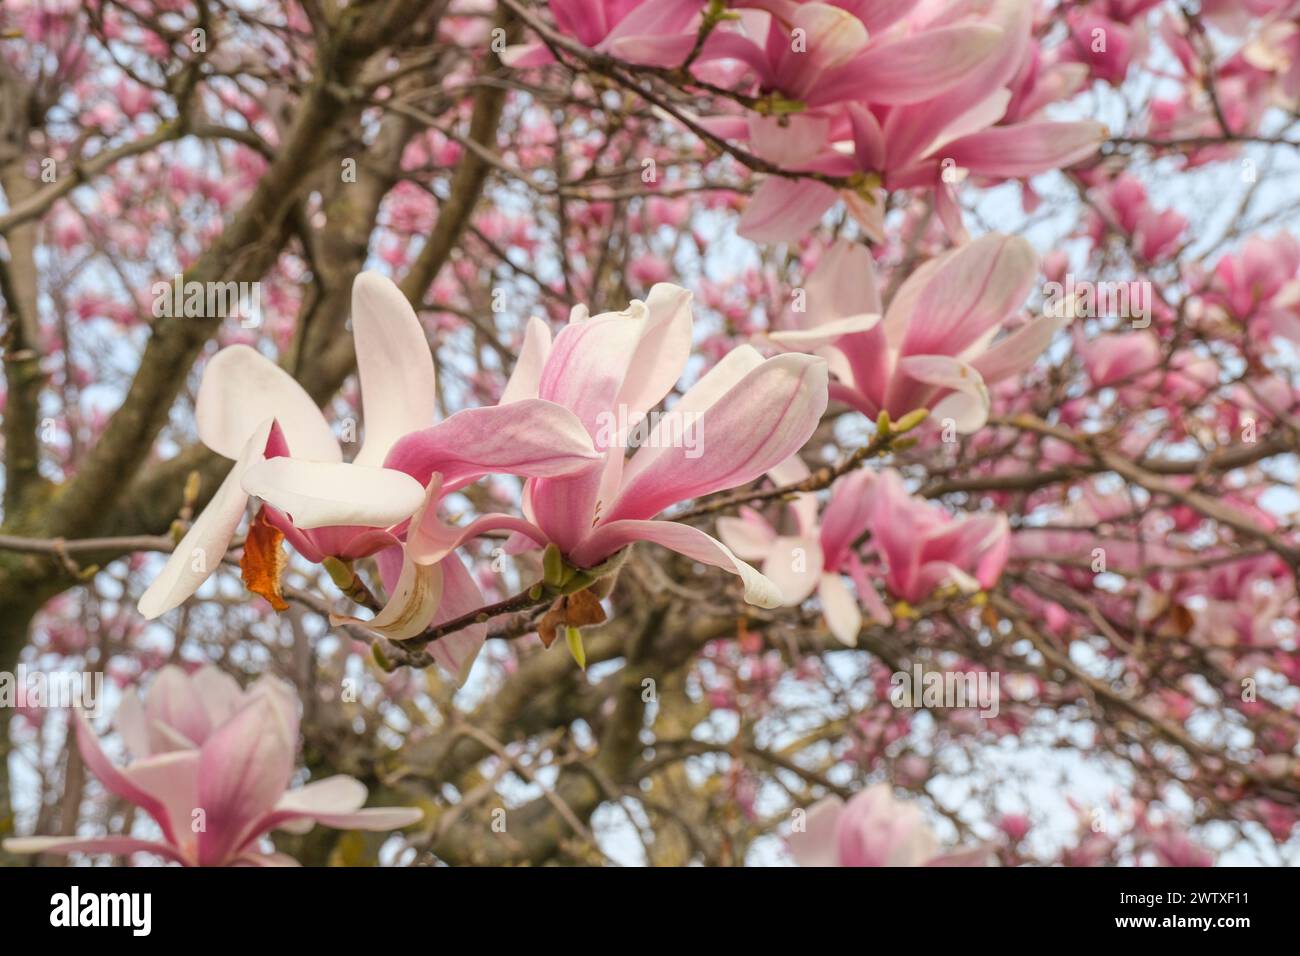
(173, 701)
(661, 352)
(816, 844)
(530, 437)
(218, 692)
(971, 292)
(841, 298)
(762, 420)
(840, 608)
(244, 768)
(116, 845)
(610, 538)
(832, 38)
(457, 651)
(828, 333)
(1019, 350)
(527, 373)
(794, 565)
(847, 516)
(877, 14)
(868, 139)
(133, 726)
(895, 534)
(790, 141)
(520, 56)
(967, 400)
(430, 540)
(782, 209)
(910, 69)
(173, 779)
(1026, 149)
(749, 537)
(116, 782)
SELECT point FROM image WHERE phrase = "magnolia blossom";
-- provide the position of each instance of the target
(212, 765)
(1124, 205)
(931, 141)
(821, 53)
(934, 347)
(251, 409)
(872, 829)
(611, 369)
(646, 32)
(815, 556)
(925, 547)
(1261, 285)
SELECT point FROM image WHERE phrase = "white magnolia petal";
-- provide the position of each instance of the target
(205, 544)
(840, 608)
(527, 373)
(411, 606)
(328, 494)
(241, 388)
(394, 363)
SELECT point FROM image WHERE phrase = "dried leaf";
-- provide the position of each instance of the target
(583, 608)
(572, 610)
(264, 561)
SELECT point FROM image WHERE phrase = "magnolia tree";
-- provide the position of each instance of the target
(857, 432)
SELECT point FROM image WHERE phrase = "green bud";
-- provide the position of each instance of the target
(553, 569)
(911, 420)
(340, 573)
(883, 424)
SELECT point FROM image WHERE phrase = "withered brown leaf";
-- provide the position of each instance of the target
(264, 561)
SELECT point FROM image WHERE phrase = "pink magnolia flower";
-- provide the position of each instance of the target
(1108, 45)
(934, 347)
(816, 555)
(1261, 285)
(928, 144)
(1125, 359)
(251, 410)
(1155, 234)
(645, 32)
(212, 767)
(925, 547)
(744, 416)
(872, 829)
(823, 53)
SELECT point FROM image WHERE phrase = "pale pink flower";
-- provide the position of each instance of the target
(212, 767)
(924, 547)
(746, 414)
(935, 346)
(815, 556)
(645, 32)
(929, 143)
(872, 829)
(251, 410)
